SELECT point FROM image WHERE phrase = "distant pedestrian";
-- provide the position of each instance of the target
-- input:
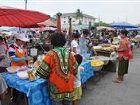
(125, 54)
(74, 43)
(84, 42)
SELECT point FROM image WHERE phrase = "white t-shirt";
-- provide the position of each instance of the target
(77, 82)
(74, 44)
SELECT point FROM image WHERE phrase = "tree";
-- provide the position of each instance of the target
(101, 23)
(79, 16)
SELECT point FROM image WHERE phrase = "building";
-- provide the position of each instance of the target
(84, 21)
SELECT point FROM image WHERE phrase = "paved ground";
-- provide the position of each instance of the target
(105, 92)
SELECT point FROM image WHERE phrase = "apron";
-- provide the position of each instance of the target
(19, 55)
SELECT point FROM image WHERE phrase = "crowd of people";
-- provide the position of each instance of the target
(61, 65)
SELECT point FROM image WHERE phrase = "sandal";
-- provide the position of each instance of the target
(117, 81)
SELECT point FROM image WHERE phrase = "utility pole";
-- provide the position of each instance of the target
(70, 29)
(70, 26)
(25, 4)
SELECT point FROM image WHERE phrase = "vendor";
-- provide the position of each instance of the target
(106, 40)
(18, 57)
(17, 53)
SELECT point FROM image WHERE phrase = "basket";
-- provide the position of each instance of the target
(97, 64)
(102, 58)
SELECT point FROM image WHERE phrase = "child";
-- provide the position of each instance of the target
(77, 82)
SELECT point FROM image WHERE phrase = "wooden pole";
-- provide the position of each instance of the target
(70, 30)
(59, 22)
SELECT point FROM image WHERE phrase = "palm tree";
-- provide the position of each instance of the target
(79, 16)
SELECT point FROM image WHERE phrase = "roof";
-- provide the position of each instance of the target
(74, 14)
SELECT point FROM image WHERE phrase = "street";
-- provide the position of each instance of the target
(105, 92)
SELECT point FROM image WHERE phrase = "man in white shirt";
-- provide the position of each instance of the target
(74, 44)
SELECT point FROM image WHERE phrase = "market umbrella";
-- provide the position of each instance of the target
(104, 27)
(122, 25)
(47, 29)
(133, 29)
(48, 23)
(14, 17)
(35, 26)
(137, 37)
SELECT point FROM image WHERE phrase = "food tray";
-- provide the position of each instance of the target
(14, 69)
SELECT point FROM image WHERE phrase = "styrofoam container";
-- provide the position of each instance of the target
(22, 74)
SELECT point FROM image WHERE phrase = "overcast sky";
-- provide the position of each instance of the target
(105, 10)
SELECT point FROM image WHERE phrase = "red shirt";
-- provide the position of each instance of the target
(124, 49)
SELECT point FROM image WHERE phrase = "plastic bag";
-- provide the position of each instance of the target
(113, 57)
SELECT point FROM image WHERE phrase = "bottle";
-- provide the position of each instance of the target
(30, 62)
(31, 76)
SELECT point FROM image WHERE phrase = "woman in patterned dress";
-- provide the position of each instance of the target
(59, 67)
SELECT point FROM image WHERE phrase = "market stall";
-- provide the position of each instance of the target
(108, 50)
(36, 89)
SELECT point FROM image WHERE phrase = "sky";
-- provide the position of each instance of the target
(104, 10)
